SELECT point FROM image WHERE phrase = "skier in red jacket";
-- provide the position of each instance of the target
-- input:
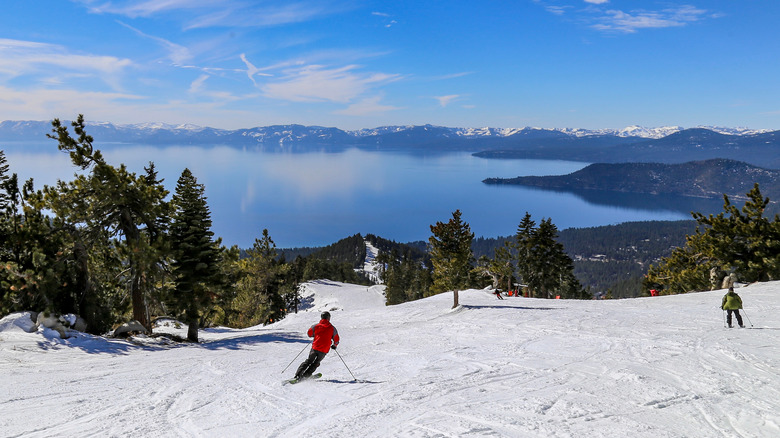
(323, 333)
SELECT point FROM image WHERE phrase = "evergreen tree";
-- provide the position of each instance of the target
(261, 290)
(37, 271)
(451, 256)
(4, 177)
(741, 241)
(196, 256)
(113, 200)
(545, 267)
(503, 267)
(744, 241)
(523, 243)
(406, 278)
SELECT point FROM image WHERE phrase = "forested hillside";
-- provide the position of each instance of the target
(703, 179)
(612, 258)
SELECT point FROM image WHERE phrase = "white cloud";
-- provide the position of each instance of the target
(454, 75)
(446, 100)
(597, 2)
(45, 104)
(251, 70)
(197, 85)
(619, 21)
(557, 10)
(316, 83)
(219, 13)
(178, 54)
(147, 8)
(30, 59)
(368, 106)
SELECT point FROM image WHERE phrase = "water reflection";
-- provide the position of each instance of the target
(648, 202)
(316, 198)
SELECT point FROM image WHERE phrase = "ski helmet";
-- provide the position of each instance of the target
(325, 315)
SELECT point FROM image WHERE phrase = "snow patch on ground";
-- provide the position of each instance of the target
(520, 367)
(370, 266)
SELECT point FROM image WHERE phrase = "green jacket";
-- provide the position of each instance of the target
(731, 301)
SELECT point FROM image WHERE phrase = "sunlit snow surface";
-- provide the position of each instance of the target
(649, 367)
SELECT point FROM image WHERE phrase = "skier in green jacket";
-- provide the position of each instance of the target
(732, 303)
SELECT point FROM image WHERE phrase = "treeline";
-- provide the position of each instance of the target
(111, 246)
(533, 261)
(739, 242)
(612, 259)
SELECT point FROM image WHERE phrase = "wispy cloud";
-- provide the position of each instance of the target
(446, 100)
(220, 13)
(630, 22)
(599, 17)
(44, 103)
(146, 8)
(197, 85)
(317, 83)
(178, 54)
(389, 22)
(37, 60)
(251, 70)
(367, 106)
(453, 75)
(557, 10)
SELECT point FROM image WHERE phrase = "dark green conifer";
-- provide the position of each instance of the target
(196, 256)
(451, 256)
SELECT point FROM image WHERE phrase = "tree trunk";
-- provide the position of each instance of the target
(132, 237)
(192, 330)
(455, 298)
(140, 312)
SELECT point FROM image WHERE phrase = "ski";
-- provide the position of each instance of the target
(294, 381)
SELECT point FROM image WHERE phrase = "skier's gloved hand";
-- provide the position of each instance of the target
(333, 346)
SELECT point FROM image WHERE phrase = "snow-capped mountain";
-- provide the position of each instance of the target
(34, 130)
(633, 143)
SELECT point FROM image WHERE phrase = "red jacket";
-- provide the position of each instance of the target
(323, 332)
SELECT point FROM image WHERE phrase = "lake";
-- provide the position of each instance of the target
(317, 198)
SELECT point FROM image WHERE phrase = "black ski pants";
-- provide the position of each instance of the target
(310, 364)
(728, 317)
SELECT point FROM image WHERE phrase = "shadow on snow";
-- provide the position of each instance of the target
(114, 346)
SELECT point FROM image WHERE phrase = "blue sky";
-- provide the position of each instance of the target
(360, 64)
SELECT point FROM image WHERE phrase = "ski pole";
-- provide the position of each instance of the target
(748, 318)
(296, 357)
(724, 318)
(345, 364)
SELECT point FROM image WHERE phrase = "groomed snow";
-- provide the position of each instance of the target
(650, 367)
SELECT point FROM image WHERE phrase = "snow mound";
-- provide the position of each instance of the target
(322, 295)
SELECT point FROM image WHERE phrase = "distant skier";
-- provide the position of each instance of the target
(323, 333)
(498, 294)
(732, 303)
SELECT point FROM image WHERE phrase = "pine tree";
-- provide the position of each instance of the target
(4, 177)
(196, 256)
(523, 243)
(451, 256)
(113, 201)
(741, 241)
(261, 290)
(543, 263)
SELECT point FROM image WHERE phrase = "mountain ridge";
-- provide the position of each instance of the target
(706, 179)
(631, 144)
(22, 128)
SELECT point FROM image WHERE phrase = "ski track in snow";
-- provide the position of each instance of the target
(649, 367)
